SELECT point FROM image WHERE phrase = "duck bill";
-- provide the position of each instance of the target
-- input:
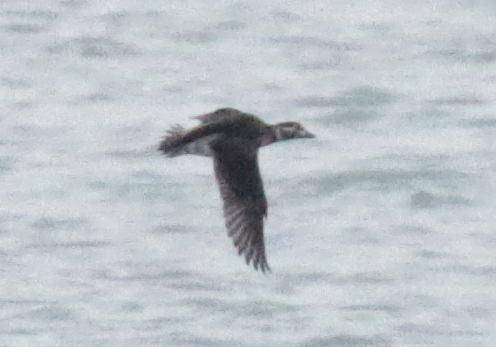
(306, 135)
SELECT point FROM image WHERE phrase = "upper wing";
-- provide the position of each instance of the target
(245, 206)
(218, 115)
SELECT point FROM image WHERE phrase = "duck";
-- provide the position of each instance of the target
(232, 138)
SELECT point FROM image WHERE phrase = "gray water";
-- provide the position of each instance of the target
(381, 232)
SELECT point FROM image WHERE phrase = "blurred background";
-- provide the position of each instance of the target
(381, 231)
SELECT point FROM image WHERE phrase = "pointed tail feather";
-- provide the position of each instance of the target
(173, 145)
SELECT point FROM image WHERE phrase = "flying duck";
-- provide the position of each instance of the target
(233, 138)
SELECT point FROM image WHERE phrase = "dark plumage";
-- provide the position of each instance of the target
(233, 138)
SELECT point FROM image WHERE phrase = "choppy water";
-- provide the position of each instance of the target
(381, 232)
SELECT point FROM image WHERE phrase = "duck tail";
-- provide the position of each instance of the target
(173, 144)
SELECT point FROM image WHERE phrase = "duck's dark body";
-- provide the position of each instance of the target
(233, 138)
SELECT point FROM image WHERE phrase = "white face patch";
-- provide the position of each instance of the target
(291, 131)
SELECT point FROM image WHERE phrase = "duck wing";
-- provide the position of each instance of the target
(245, 205)
(219, 115)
